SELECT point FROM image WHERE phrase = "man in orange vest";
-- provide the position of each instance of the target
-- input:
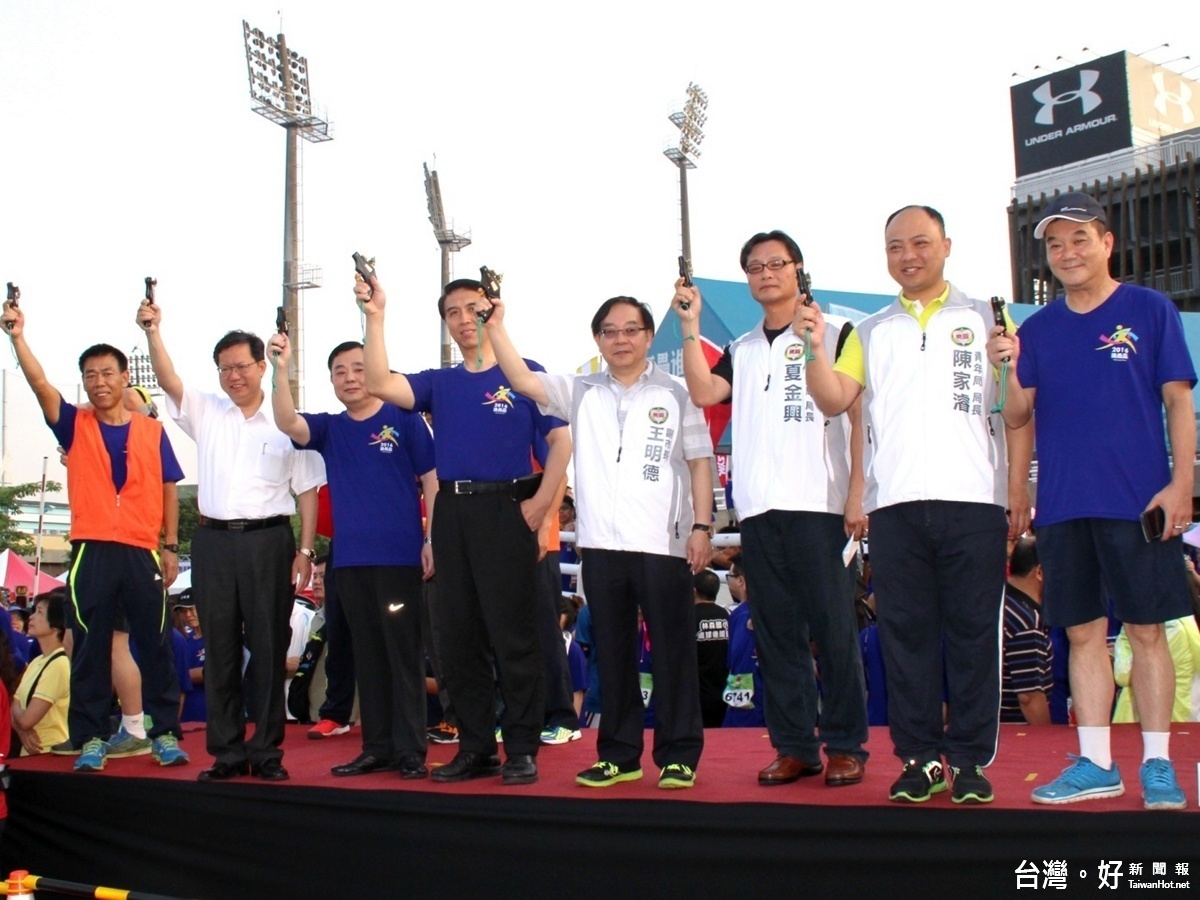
(121, 475)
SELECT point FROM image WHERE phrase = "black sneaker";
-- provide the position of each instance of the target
(970, 785)
(918, 782)
(606, 774)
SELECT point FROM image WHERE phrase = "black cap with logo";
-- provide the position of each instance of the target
(1077, 207)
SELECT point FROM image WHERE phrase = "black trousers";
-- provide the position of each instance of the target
(802, 591)
(244, 596)
(339, 654)
(938, 569)
(106, 576)
(384, 607)
(560, 705)
(618, 582)
(487, 603)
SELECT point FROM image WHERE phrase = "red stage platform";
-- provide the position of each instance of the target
(140, 826)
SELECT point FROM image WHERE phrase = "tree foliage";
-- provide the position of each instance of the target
(12, 538)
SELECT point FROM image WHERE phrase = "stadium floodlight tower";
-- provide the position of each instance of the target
(449, 241)
(690, 123)
(141, 372)
(279, 93)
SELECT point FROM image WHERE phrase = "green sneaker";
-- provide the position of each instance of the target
(606, 774)
(970, 786)
(675, 776)
(124, 744)
(918, 782)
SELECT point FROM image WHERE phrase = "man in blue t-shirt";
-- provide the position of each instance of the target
(375, 455)
(191, 672)
(1096, 369)
(490, 508)
(121, 477)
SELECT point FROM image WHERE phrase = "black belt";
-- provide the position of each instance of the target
(243, 524)
(518, 488)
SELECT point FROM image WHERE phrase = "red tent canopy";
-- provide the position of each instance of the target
(15, 572)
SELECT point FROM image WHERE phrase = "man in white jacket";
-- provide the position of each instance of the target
(798, 503)
(643, 481)
(936, 492)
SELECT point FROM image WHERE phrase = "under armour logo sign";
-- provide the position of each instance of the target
(1182, 98)
(1088, 98)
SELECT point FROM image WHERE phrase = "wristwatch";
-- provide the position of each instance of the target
(309, 552)
(707, 529)
(171, 548)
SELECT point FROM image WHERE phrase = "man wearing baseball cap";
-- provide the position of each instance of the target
(1098, 366)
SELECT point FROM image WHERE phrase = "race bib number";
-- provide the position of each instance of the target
(646, 682)
(739, 691)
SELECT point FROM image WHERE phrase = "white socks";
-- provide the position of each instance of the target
(135, 725)
(1094, 744)
(1154, 745)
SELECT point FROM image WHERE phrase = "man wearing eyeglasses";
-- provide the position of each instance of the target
(936, 491)
(642, 454)
(799, 498)
(246, 568)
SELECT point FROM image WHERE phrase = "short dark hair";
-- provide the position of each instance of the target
(928, 210)
(570, 610)
(736, 560)
(340, 349)
(606, 308)
(55, 615)
(234, 338)
(458, 284)
(1024, 557)
(762, 237)
(321, 560)
(103, 350)
(706, 584)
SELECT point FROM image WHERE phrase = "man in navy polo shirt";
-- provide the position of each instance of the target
(374, 453)
(490, 508)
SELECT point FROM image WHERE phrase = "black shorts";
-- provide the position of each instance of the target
(1089, 562)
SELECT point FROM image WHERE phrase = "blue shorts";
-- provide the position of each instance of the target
(1089, 562)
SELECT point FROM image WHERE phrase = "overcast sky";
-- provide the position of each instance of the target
(129, 149)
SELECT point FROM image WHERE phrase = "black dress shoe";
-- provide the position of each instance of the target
(364, 764)
(224, 771)
(519, 769)
(412, 768)
(270, 770)
(465, 766)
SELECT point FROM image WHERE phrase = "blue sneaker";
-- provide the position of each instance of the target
(166, 751)
(1160, 790)
(91, 759)
(1082, 780)
(124, 744)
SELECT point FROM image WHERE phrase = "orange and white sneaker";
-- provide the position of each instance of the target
(443, 733)
(326, 728)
